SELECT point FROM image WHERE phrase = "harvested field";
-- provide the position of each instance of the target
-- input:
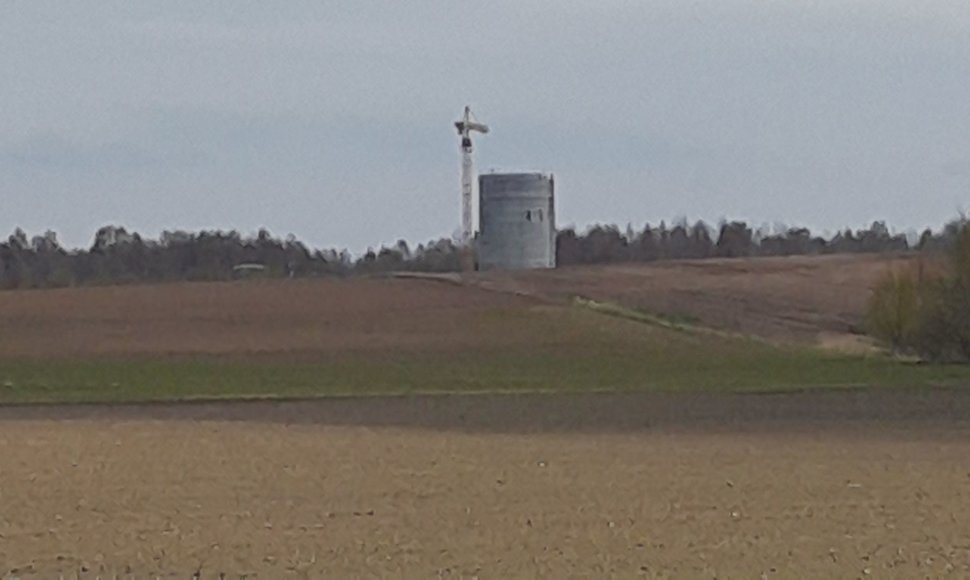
(669, 474)
(306, 338)
(821, 485)
(244, 318)
(798, 298)
(801, 298)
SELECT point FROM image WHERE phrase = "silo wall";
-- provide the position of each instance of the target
(517, 228)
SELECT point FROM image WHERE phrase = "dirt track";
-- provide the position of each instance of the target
(921, 410)
(800, 485)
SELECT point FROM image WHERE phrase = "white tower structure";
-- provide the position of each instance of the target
(465, 127)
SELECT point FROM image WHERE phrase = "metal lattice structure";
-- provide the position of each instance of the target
(466, 126)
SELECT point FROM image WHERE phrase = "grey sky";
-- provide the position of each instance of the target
(332, 120)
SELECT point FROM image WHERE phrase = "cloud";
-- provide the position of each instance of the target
(186, 114)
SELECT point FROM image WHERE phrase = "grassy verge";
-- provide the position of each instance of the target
(557, 349)
(679, 322)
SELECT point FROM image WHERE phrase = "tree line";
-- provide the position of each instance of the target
(117, 256)
(684, 241)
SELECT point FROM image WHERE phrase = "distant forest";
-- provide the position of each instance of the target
(119, 257)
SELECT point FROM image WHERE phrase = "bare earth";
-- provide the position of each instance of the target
(840, 484)
(814, 299)
(823, 485)
(804, 299)
(225, 318)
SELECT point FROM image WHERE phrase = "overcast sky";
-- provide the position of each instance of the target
(333, 120)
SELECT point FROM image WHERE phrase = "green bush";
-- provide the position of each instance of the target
(893, 311)
(924, 310)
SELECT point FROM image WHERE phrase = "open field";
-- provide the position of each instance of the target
(672, 473)
(248, 318)
(820, 485)
(305, 338)
(808, 299)
(797, 297)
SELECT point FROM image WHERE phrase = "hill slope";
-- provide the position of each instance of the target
(806, 299)
(292, 338)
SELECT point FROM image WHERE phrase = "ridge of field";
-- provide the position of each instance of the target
(308, 338)
(804, 299)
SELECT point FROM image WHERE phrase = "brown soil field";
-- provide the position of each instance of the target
(820, 485)
(800, 298)
(245, 317)
(829, 484)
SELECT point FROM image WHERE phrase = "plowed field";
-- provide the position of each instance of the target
(806, 299)
(799, 485)
(671, 473)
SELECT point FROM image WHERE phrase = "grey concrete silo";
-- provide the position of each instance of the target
(517, 214)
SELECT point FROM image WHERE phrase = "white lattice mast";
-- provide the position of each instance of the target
(465, 127)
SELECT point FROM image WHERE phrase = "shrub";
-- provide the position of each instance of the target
(893, 311)
(925, 310)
